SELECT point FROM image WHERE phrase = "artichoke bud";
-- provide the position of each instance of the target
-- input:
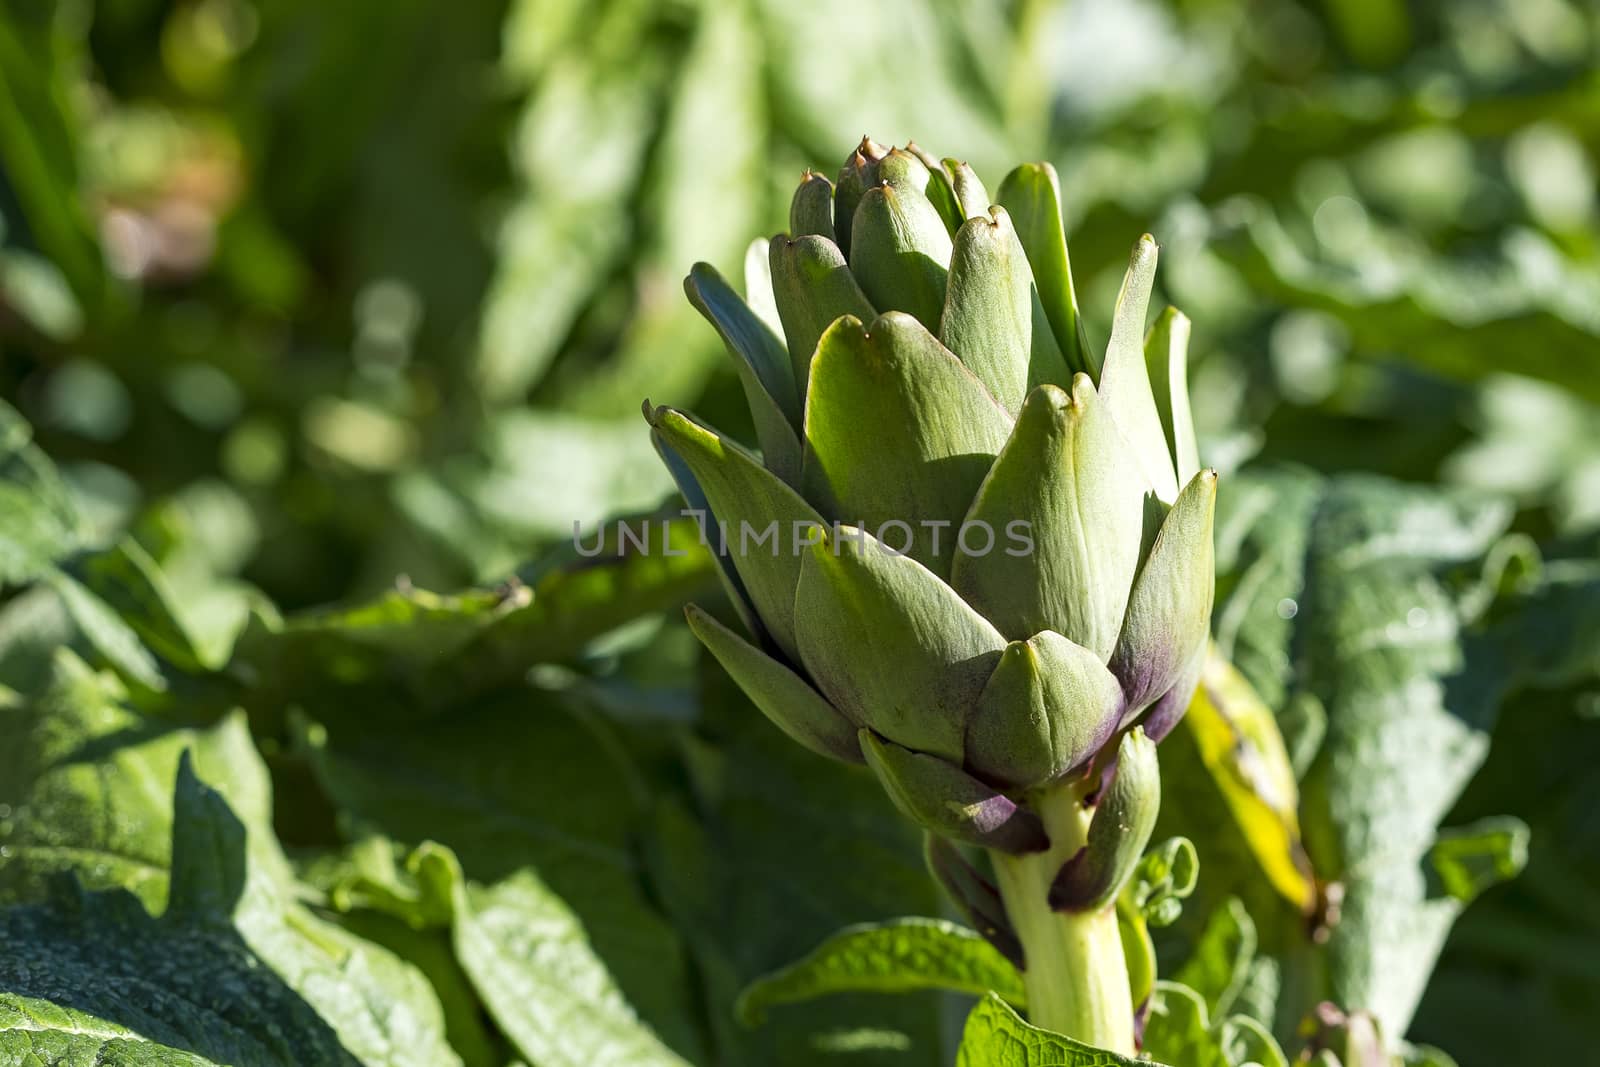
(899, 244)
(975, 897)
(860, 173)
(811, 210)
(1125, 814)
(1006, 558)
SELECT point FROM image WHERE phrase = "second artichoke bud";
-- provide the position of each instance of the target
(971, 553)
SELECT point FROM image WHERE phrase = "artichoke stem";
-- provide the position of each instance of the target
(1075, 972)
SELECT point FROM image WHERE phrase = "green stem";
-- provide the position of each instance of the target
(1076, 974)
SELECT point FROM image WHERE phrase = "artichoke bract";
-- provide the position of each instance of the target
(970, 553)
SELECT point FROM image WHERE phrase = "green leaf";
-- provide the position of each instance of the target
(860, 606)
(132, 586)
(39, 523)
(85, 780)
(1178, 1029)
(1245, 1041)
(419, 653)
(1163, 880)
(40, 143)
(781, 695)
(898, 432)
(234, 972)
(565, 603)
(688, 207)
(851, 860)
(529, 959)
(107, 633)
(1229, 769)
(995, 1036)
(462, 780)
(1351, 574)
(1153, 897)
(1032, 195)
(467, 1027)
(1528, 297)
(1525, 951)
(1219, 963)
(1065, 474)
(1470, 859)
(1423, 1056)
(898, 956)
(94, 979)
(569, 227)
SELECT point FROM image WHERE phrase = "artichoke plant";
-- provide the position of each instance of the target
(972, 554)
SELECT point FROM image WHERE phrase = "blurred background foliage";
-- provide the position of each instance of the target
(382, 270)
(375, 288)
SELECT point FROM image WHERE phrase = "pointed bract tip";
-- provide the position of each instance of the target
(1050, 395)
(696, 276)
(870, 149)
(1083, 390)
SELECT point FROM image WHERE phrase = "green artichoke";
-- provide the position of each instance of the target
(971, 553)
